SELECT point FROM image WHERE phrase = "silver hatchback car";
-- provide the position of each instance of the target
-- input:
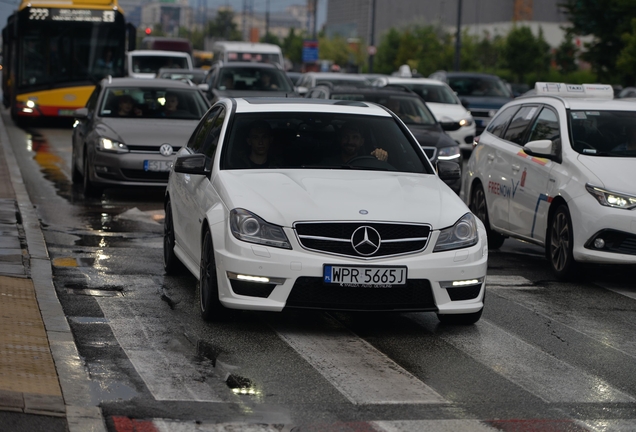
(130, 130)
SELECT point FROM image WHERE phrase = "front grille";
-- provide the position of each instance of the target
(480, 113)
(335, 238)
(615, 241)
(464, 293)
(149, 149)
(150, 176)
(431, 152)
(312, 293)
(451, 126)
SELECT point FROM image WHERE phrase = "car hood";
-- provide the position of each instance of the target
(285, 197)
(455, 112)
(151, 132)
(618, 174)
(485, 102)
(431, 136)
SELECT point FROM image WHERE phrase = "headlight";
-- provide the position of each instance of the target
(448, 153)
(109, 145)
(461, 235)
(248, 227)
(611, 199)
(466, 121)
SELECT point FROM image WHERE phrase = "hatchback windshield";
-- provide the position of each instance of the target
(410, 109)
(153, 103)
(253, 79)
(479, 86)
(434, 93)
(321, 140)
(604, 133)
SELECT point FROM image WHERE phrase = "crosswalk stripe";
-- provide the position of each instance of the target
(359, 371)
(507, 281)
(433, 426)
(529, 367)
(168, 374)
(614, 425)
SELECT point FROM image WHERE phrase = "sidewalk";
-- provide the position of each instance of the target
(41, 373)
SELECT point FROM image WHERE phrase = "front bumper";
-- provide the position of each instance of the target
(127, 169)
(300, 273)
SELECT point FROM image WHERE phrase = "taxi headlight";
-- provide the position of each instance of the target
(109, 145)
(461, 235)
(611, 199)
(250, 228)
(466, 121)
(448, 153)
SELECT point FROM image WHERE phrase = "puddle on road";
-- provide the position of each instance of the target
(51, 165)
(105, 291)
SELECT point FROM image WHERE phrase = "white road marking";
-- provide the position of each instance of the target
(529, 367)
(505, 281)
(432, 426)
(359, 371)
(612, 425)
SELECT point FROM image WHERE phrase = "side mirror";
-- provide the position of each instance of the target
(81, 113)
(541, 148)
(191, 164)
(448, 171)
(204, 87)
(301, 90)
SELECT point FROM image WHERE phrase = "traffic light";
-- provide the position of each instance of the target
(148, 30)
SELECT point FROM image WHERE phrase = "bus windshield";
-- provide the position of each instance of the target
(55, 52)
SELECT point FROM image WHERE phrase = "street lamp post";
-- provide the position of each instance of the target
(458, 38)
(372, 37)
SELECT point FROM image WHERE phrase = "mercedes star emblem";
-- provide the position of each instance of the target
(165, 150)
(366, 240)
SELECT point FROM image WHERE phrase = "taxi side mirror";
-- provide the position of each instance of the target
(541, 148)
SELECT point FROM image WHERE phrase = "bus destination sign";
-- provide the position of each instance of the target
(74, 15)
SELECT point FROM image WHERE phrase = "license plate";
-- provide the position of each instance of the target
(65, 112)
(364, 276)
(156, 165)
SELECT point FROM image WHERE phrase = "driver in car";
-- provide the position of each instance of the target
(351, 144)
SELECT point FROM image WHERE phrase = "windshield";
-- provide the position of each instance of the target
(434, 93)
(54, 52)
(153, 103)
(152, 63)
(196, 78)
(343, 82)
(253, 79)
(604, 133)
(233, 56)
(321, 141)
(479, 86)
(411, 110)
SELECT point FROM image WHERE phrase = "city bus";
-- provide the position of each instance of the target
(55, 54)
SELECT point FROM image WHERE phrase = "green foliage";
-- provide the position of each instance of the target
(272, 39)
(292, 46)
(335, 49)
(626, 62)
(565, 55)
(523, 53)
(223, 27)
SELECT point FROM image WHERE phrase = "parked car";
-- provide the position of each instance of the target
(411, 110)
(482, 94)
(130, 130)
(455, 119)
(312, 79)
(558, 169)
(247, 79)
(283, 203)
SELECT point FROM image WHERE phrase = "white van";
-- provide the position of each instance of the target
(146, 63)
(247, 52)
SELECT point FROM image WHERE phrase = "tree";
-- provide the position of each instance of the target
(292, 46)
(271, 39)
(607, 21)
(524, 53)
(386, 58)
(626, 62)
(565, 55)
(335, 49)
(223, 27)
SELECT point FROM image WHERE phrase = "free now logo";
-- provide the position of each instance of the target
(504, 190)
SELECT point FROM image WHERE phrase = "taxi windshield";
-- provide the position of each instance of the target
(603, 133)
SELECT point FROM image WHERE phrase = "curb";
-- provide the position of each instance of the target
(81, 413)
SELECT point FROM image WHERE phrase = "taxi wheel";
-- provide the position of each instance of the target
(460, 319)
(559, 244)
(479, 207)
(90, 190)
(171, 264)
(211, 307)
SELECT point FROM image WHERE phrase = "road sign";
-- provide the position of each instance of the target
(310, 51)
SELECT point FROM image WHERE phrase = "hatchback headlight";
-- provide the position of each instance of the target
(248, 227)
(109, 145)
(461, 235)
(611, 199)
(448, 153)
(466, 121)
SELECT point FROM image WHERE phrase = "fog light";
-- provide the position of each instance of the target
(257, 279)
(599, 243)
(101, 169)
(461, 283)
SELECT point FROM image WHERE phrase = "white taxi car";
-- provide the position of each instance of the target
(320, 204)
(559, 169)
(455, 119)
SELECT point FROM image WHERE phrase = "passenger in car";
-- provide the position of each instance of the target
(126, 106)
(259, 141)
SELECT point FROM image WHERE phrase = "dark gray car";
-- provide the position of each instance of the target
(130, 130)
(239, 79)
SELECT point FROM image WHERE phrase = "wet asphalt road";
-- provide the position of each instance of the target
(545, 353)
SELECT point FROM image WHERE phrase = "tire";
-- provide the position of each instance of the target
(460, 319)
(171, 264)
(76, 175)
(211, 307)
(89, 188)
(479, 207)
(559, 244)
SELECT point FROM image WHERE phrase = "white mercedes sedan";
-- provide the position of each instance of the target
(277, 204)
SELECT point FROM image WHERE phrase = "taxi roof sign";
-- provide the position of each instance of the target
(595, 91)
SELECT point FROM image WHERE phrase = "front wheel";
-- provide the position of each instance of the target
(559, 244)
(479, 207)
(90, 190)
(211, 307)
(76, 175)
(171, 263)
